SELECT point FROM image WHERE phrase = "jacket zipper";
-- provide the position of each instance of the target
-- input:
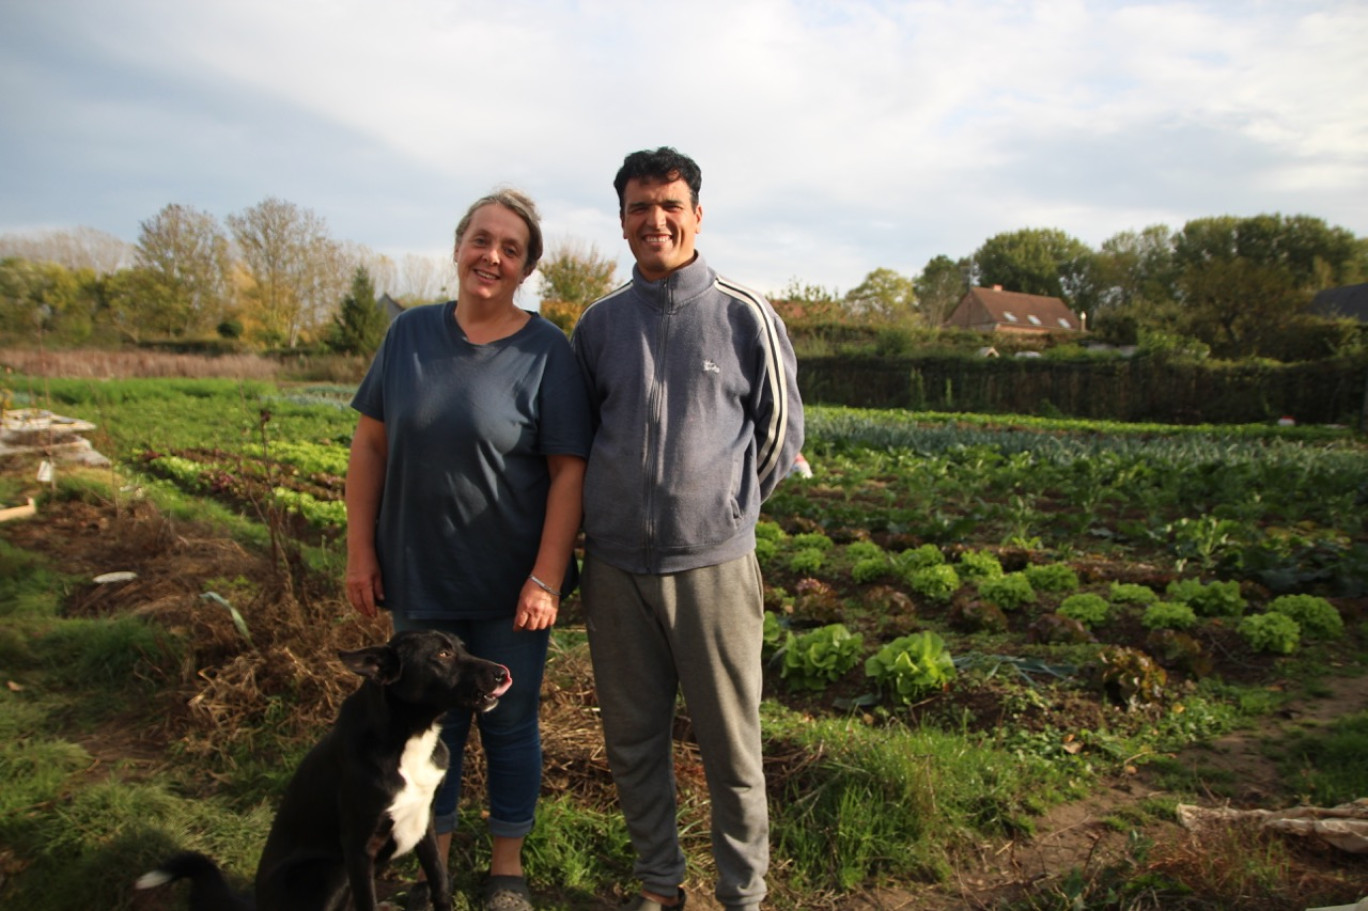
(656, 402)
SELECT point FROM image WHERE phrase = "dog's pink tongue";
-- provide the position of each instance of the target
(508, 681)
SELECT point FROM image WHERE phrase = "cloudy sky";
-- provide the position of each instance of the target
(835, 136)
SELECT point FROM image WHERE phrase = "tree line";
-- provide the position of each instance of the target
(1232, 287)
(273, 277)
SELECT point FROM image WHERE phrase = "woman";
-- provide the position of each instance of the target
(463, 502)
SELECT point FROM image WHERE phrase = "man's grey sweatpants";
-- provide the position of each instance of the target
(702, 630)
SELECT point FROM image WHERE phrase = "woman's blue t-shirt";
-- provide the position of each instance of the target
(469, 429)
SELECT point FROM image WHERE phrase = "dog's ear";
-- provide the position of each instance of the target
(378, 662)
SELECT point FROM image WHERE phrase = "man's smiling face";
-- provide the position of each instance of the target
(659, 222)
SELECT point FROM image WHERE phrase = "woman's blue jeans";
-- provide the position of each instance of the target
(510, 733)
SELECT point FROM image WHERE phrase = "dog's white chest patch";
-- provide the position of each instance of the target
(412, 806)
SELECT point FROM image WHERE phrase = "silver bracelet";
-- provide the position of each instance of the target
(543, 586)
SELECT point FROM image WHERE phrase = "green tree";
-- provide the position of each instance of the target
(1313, 254)
(883, 296)
(574, 274)
(1136, 266)
(1034, 261)
(940, 287)
(359, 325)
(1240, 308)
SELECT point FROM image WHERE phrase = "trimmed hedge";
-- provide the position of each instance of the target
(1135, 389)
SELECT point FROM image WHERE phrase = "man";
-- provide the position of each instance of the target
(697, 415)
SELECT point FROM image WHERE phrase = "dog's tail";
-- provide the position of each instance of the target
(209, 891)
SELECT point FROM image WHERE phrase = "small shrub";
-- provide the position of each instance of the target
(1052, 577)
(1213, 599)
(1168, 615)
(1010, 592)
(1131, 593)
(937, 583)
(1088, 609)
(820, 657)
(1274, 632)
(911, 666)
(807, 560)
(766, 550)
(1317, 617)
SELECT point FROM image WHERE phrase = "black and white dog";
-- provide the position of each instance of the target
(363, 794)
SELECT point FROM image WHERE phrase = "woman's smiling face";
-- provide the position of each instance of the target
(492, 253)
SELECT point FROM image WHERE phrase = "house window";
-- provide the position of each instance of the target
(1035, 320)
(1065, 323)
(1010, 316)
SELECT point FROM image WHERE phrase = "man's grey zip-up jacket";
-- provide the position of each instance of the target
(693, 383)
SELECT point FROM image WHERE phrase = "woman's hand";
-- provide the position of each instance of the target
(365, 589)
(537, 608)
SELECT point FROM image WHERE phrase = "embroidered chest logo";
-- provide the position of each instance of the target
(710, 367)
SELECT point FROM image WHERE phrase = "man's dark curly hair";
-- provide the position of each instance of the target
(663, 164)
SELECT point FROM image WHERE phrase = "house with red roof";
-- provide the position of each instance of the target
(995, 310)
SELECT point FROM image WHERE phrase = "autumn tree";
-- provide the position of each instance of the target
(76, 249)
(294, 271)
(184, 254)
(46, 301)
(424, 279)
(575, 274)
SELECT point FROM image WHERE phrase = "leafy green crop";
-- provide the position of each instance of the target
(1088, 609)
(979, 564)
(1168, 615)
(1272, 632)
(1009, 592)
(911, 667)
(935, 582)
(820, 656)
(1131, 593)
(1317, 617)
(1208, 599)
(1052, 577)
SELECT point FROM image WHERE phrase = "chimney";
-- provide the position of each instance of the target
(997, 287)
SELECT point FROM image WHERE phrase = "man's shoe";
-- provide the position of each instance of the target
(642, 903)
